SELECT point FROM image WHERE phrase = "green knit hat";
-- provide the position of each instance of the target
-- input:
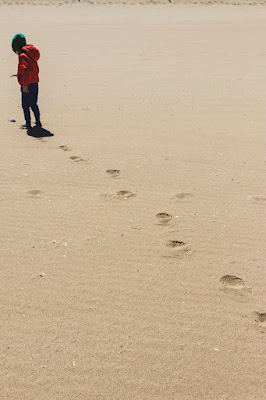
(18, 42)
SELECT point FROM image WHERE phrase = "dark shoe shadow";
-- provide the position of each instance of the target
(39, 132)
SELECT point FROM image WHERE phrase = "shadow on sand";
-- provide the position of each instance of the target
(39, 133)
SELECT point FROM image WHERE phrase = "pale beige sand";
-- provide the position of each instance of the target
(99, 299)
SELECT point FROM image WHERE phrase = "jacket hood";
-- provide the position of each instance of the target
(31, 52)
(18, 42)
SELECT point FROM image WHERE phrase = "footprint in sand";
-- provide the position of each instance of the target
(175, 243)
(183, 196)
(260, 317)
(125, 194)
(259, 199)
(178, 247)
(64, 148)
(34, 193)
(76, 158)
(113, 172)
(232, 282)
(164, 218)
(121, 195)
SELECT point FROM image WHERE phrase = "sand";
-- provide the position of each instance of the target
(144, 282)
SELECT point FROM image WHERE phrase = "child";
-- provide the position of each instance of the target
(28, 78)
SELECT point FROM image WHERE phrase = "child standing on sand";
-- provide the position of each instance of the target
(28, 78)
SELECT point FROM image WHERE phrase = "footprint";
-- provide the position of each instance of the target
(260, 317)
(179, 249)
(233, 282)
(76, 158)
(64, 148)
(259, 199)
(175, 243)
(183, 196)
(40, 139)
(113, 172)
(125, 194)
(35, 193)
(164, 218)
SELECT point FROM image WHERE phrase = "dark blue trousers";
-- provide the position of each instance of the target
(29, 100)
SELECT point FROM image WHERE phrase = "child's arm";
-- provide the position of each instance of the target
(24, 72)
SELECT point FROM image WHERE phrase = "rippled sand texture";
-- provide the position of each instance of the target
(131, 228)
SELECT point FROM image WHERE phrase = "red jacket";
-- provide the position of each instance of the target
(28, 70)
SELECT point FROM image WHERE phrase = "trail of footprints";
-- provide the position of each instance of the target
(229, 282)
(121, 194)
(178, 247)
(232, 282)
(72, 158)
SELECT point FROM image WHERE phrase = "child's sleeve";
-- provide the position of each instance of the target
(24, 70)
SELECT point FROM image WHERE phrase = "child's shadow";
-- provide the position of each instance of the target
(39, 132)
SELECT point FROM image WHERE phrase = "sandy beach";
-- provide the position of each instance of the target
(132, 230)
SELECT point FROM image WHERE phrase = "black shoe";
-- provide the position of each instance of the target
(38, 125)
(25, 126)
